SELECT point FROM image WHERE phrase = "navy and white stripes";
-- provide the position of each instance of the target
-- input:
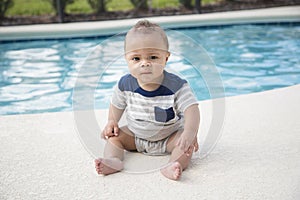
(157, 114)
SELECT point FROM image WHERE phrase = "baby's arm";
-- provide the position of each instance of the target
(112, 128)
(188, 138)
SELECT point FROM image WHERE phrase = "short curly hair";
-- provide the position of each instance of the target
(146, 27)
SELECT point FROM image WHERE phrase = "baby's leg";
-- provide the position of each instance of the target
(179, 160)
(114, 153)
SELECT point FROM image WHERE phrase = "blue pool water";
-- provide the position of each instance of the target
(39, 76)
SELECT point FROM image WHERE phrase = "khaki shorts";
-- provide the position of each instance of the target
(152, 148)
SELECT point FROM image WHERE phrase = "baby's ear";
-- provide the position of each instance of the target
(167, 57)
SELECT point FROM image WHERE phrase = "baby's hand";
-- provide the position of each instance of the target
(111, 129)
(195, 144)
(187, 144)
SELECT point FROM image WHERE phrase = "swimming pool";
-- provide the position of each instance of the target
(39, 75)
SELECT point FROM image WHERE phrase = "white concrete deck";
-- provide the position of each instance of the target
(67, 30)
(257, 157)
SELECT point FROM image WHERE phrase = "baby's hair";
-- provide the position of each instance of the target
(145, 23)
(146, 27)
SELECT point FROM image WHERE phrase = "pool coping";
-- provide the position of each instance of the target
(111, 27)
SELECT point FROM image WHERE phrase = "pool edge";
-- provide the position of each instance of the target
(99, 28)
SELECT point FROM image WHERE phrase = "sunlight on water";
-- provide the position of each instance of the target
(39, 76)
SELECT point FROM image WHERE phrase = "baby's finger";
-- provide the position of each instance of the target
(104, 136)
(190, 150)
(196, 146)
(109, 131)
(116, 131)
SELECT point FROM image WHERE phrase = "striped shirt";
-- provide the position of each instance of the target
(153, 115)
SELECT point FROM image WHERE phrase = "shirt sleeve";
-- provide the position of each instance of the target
(184, 98)
(118, 98)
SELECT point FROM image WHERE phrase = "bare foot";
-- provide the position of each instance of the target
(108, 166)
(172, 171)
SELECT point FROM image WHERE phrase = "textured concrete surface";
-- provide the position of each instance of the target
(257, 157)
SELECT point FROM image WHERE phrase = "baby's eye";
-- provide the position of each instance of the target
(135, 58)
(153, 57)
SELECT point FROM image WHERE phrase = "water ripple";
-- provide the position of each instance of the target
(39, 76)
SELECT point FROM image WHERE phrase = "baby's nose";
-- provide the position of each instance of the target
(145, 63)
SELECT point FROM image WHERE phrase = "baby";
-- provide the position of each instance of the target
(161, 110)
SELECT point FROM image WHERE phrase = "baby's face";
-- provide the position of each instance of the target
(146, 56)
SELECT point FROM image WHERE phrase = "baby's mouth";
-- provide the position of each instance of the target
(146, 73)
